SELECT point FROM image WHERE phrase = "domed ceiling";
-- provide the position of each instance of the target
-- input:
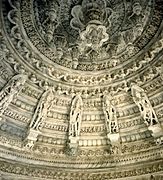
(81, 94)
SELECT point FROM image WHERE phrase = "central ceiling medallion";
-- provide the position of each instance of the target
(89, 19)
(92, 35)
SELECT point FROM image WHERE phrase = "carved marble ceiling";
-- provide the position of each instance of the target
(81, 94)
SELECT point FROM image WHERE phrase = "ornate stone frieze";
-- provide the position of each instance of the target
(10, 141)
(31, 92)
(54, 13)
(40, 173)
(16, 116)
(79, 23)
(23, 105)
(131, 123)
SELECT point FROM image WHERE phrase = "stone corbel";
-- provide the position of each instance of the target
(114, 138)
(159, 141)
(31, 138)
(156, 130)
(73, 145)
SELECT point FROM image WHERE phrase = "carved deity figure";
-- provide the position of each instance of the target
(44, 105)
(75, 117)
(137, 14)
(11, 90)
(110, 115)
(51, 21)
(134, 24)
(141, 100)
(75, 124)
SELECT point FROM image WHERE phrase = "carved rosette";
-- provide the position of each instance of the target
(93, 38)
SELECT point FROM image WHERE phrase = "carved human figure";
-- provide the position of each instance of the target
(43, 106)
(75, 117)
(110, 115)
(137, 14)
(141, 100)
(134, 24)
(75, 125)
(12, 88)
(51, 21)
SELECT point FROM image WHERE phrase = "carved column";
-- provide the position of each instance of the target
(75, 124)
(147, 112)
(110, 119)
(40, 114)
(10, 91)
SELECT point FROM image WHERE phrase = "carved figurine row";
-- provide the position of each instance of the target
(45, 103)
(76, 118)
(141, 100)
